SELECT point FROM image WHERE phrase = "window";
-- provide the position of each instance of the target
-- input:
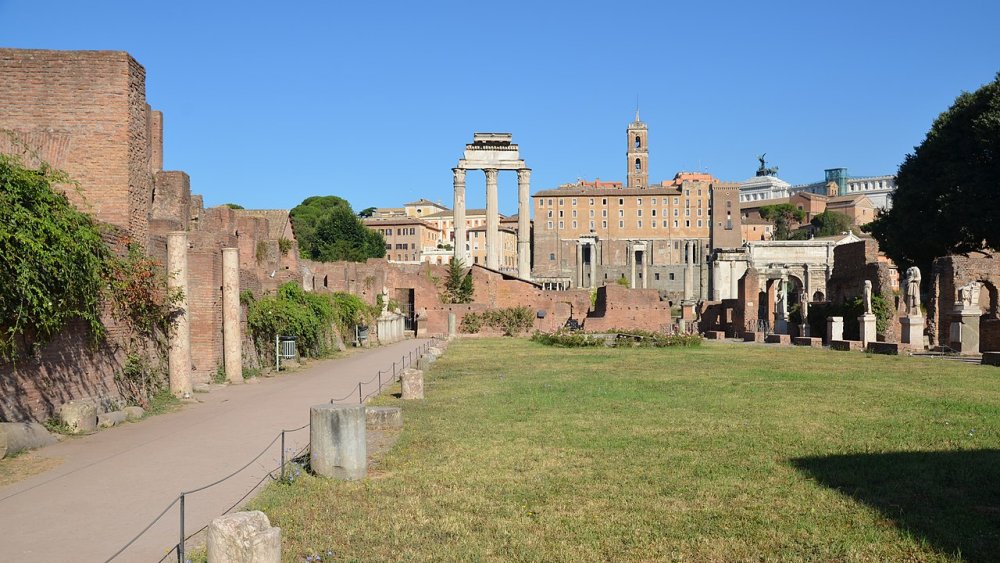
(541, 203)
(656, 276)
(550, 213)
(638, 141)
(671, 276)
(699, 213)
(591, 201)
(687, 212)
(654, 213)
(591, 225)
(638, 163)
(560, 201)
(550, 202)
(591, 212)
(638, 224)
(574, 213)
(687, 223)
(638, 212)
(621, 212)
(638, 201)
(729, 204)
(604, 224)
(621, 201)
(574, 201)
(560, 213)
(665, 224)
(653, 201)
(699, 222)
(676, 201)
(574, 224)
(604, 201)
(562, 225)
(604, 213)
(552, 256)
(676, 211)
(675, 223)
(621, 224)
(550, 224)
(652, 224)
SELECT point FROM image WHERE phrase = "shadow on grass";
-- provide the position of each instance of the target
(950, 499)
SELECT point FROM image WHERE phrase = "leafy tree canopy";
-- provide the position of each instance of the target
(366, 212)
(233, 206)
(328, 230)
(829, 223)
(785, 217)
(947, 198)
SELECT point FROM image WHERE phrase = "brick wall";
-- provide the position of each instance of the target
(619, 307)
(948, 274)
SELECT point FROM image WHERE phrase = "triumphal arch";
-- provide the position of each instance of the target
(491, 153)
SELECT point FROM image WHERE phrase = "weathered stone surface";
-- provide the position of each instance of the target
(834, 328)
(201, 388)
(867, 324)
(778, 339)
(19, 436)
(912, 332)
(134, 413)
(337, 445)
(425, 361)
(847, 345)
(435, 351)
(753, 336)
(243, 537)
(413, 384)
(715, 335)
(384, 418)
(808, 341)
(109, 419)
(991, 358)
(890, 348)
(79, 416)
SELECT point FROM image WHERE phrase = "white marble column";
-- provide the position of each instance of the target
(459, 216)
(524, 224)
(631, 260)
(645, 269)
(733, 281)
(688, 270)
(179, 354)
(492, 220)
(579, 264)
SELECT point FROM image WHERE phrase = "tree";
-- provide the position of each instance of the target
(328, 230)
(366, 212)
(946, 198)
(233, 205)
(784, 216)
(458, 285)
(829, 223)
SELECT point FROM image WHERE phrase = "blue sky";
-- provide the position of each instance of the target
(267, 103)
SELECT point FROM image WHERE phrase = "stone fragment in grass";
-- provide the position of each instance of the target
(243, 536)
(337, 446)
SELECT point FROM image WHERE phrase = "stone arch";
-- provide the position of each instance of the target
(818, 296)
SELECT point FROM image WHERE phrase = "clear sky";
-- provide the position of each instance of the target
(267, 103)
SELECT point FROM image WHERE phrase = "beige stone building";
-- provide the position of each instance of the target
(588, 234)
(508, 247)
(406, 239)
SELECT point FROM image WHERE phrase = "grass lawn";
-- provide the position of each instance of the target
(726, 452)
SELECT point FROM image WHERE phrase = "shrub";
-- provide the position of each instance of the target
(471, 323)
(511, 320)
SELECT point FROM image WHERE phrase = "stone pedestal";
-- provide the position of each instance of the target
(780, 325)
(834, 329)
(337, 441)
(803, 330)
(965, 332)
(242, 537)
(913, 332)
(384, 418)
(79, 416)
(413, 384)
(867, 324)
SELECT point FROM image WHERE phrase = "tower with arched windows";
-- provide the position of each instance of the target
(638, 154)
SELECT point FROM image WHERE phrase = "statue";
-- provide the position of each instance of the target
(385, 300)
(804, 306)
(779, 299)
(913, 291)
(763, 170)
(868, 297)
(968, 295)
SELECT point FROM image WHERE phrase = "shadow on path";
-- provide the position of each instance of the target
(951, 499)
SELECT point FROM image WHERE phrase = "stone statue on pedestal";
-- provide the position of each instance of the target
(385, 300)
(804, 305)
(868, 297)
(913, 291)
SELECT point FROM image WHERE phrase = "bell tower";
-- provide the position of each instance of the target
(638, 154)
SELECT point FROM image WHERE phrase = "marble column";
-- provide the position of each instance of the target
(179, 355)
(492, 220)
(232, 343)
(459, 216)
(688, 270)
(579, 264)
(734, 282)
(645, 268)
(524, 224)
(631, 260)
(593, 264)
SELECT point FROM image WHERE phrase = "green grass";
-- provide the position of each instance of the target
(725, 452)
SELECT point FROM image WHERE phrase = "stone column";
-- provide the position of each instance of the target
(179, 356)
(645, 268)
(524, 224)
(492, 220)
(734, 282)
(688, 270)
(593, 264)
(232, 342)
(631, 261)
(459, 216)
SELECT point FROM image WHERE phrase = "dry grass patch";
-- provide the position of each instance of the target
(22, 466)
(523, 452)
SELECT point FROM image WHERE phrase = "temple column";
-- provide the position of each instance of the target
(733, 281)
(459, 217)
(179, 355)
(232, 344)
(524, 224)
(593, 264)
(688, 270)
(579, 264)
(631, 261)
(492, 220)
(645, 269)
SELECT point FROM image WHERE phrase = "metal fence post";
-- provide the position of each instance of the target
(282, 455)
(380, 380)
(394, 370)
(180, 544)
(360, 400)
